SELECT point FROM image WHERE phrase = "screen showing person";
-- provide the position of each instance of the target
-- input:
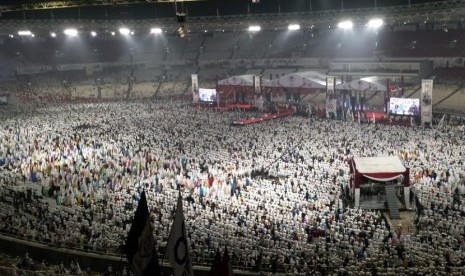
(404, 106)
(3, 100)
(207, 95)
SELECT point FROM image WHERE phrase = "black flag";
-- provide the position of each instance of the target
(140, 244)
(216, 265)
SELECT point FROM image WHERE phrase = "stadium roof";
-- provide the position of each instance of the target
(199, 7)
(223, 15)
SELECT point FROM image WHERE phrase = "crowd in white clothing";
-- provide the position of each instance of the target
(274, 193)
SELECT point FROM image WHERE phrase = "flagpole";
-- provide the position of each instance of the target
(164, 254)
(166, 246)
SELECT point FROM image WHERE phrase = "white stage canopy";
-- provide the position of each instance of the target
(382, 168)
(386, 164)
(367, 83)
(308, 79)
(243, 80)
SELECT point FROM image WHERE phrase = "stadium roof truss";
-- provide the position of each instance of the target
(439, 12)
(48, 5)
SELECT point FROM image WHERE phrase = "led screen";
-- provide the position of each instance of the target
(207, 95)
(404, 106)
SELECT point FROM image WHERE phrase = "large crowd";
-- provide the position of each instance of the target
(275, 193)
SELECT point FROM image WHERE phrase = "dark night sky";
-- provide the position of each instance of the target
(206, 8)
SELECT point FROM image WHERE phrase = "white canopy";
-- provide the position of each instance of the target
(384, 164)
(308, 79)
(368, 83)
(245, 80)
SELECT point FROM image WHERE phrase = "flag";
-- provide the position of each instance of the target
(226, 266)
(441, 122)
(140, 244)
(177, 249)
(216, 265)
(78, 268)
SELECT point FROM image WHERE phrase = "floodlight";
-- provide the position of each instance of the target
(70, 32)
(375, 23)
(124, 31)
(254, 28)
(53, 34)
(345, 24)
(181, 31)
(293, 27)
(24, 33)
(155, 31)
(93, 33)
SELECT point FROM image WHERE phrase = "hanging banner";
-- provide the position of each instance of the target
(195, 88)
(330, 98)
(257, 87)
(426, 102)
(257, 84)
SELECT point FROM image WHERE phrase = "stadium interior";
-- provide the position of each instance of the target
(230, 103)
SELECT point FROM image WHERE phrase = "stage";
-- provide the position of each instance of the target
(264, 117)
(233, 107)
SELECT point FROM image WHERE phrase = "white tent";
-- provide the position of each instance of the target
(243, 80)
(383, 169)
(368, 83)
(309, 79)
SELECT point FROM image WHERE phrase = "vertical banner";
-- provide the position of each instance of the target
(257, 84)
(387, 95)
(257, 91)
(330, 98)
(402, 85)
(426, 102)
(195, 88)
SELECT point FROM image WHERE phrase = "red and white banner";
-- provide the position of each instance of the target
(257, 98)
(426, 102)
(257, 84)
(330, 97)
(195, 88)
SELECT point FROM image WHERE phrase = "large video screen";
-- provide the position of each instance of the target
(404, 106)
(3, 100)
(207, 95)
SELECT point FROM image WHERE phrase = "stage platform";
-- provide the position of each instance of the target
(233, 107)
(264, 117)
(376, 203)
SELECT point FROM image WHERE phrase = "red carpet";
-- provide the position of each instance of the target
(233, 106)
(264, 117)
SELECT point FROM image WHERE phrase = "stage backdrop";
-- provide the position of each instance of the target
(426, 102)
(330, 97)
(195, 88)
